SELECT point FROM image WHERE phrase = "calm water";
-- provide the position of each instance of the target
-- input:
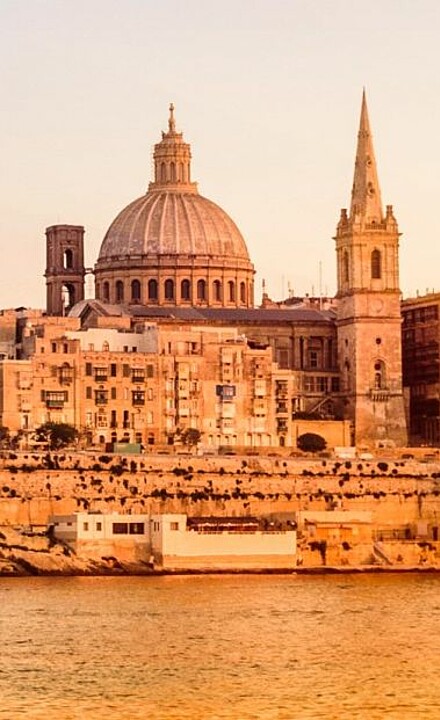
(217, 648)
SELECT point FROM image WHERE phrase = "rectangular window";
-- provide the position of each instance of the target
(309, 384)
(86, 526)
(99, 526)
(137, 528)
(113, 370)
(321, 384)
(126, 370)
(313, 359)
(89, 392)
(174, 525)
(150, 371)
(120, 528)
(113, 393)
(335, 384)
(88, 368)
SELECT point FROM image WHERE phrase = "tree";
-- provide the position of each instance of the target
(4, 435)
(57, 435)
(311, 442)
(190, 436)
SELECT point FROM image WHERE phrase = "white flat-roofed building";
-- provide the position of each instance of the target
(96, 535)
(175, 541)
(221, 543)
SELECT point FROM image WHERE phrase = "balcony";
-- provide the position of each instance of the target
(55, 404)
(380, 395)
(101, 376)
(138, 376)
(55, 399)
(138, 398)
(101, 398)
(66, 375)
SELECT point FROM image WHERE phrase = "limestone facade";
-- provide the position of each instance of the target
(421, 366)
(150, 386)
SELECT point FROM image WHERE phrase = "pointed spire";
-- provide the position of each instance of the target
(366, 202)
(171, 121)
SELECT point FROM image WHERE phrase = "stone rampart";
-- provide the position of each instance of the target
(33, 487)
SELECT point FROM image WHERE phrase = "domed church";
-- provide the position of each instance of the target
(174, 258)
(172, 246)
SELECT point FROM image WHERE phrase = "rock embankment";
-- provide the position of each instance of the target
(25, 552)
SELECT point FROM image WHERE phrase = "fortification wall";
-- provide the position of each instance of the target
(34, 487)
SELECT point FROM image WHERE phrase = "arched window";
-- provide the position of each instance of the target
(345, 267)
(217, 290)
(169, 290)
(68, 295)
(68, 259)
(135, 290)
(105, 346)
(182, 172)
(231, 291)
(379, 375)
(163, 172)
(242, 292)
(105, 291)
(185, 290)
(119, 291)
(152, 289)
(376, 265)
(201, 290)
(173, 172)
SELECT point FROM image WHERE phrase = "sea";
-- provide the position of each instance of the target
(221, 647)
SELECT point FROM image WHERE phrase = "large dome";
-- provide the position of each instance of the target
(170, 223)
(172, 246)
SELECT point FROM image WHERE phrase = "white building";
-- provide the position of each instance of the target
(175, 541)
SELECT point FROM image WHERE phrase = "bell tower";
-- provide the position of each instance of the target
(369, 317)
(64, 267)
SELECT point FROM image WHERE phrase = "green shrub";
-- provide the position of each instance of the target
(311, 442)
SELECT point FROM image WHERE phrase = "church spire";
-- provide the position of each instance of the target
(366, 204)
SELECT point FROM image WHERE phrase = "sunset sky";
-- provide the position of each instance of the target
(267, 92)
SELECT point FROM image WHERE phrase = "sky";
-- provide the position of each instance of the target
(268, 93)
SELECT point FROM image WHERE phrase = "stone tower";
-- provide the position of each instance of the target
(369, 318)
(64, 267)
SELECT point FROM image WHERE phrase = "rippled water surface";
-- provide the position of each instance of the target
(220, 648)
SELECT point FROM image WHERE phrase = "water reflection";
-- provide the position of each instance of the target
(220, 648)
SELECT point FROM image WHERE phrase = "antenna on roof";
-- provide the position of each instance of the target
(320, 283)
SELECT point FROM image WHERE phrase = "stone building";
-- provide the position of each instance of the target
(421, 367)
(173, 265)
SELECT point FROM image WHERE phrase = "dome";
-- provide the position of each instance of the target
(172, 246)
(173, 223)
